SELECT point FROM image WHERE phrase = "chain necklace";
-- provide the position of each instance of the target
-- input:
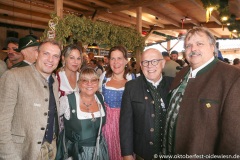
(87, 105)
(92, 114)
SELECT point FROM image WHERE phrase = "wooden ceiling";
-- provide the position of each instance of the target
(160, 18)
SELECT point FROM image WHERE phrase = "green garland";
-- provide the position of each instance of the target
(212, 3)
(223, 8)
(73, 28)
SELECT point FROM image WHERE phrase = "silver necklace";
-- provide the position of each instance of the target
(92, 114)
(87, 105)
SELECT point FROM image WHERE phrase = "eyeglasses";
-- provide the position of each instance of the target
(154, 62)
(92, 81)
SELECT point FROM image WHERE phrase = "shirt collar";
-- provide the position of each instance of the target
(194, 72)
(27, 62)
(156, 83)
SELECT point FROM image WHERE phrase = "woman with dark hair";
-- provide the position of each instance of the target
(84, 115)
(68, 74)
(112, 84)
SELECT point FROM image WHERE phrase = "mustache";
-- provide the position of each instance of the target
(194, 53)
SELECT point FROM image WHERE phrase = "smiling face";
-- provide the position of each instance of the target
(198, 49)
(151, 71)
(48, 58)
(73, 61)
(117, 62)
(88, 81)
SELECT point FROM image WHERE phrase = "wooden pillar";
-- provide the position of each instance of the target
(58, 7)
(168, 45)
(139, 20)
(139, 29)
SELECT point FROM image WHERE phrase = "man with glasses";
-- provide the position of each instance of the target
(143, 109)
(203, 115)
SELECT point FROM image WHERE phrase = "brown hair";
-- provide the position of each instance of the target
(122, 49)
(198, 30)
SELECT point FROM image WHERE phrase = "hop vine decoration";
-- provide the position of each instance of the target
(72, 28)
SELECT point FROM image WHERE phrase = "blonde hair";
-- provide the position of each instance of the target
(87, 71)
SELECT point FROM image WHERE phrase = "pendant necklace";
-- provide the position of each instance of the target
(87, 106)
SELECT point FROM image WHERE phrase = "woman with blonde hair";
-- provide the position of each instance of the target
(84, 115)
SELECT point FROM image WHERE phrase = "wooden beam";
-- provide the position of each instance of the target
(111, 21)
(22, 22)
(161, 16)
(149, 34)
(139, 20)
(77, 5)
(188, 26)
(142, 3)
(25, 16)
(215, 33)
(27, 6)
(178, 12)
(100, 3)
(153, 21)
(15, 19)
(58, 7)
(15, 11)
(169, 32)
(125, 18)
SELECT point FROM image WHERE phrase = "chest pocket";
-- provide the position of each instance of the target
(18, 138)
(209, 108)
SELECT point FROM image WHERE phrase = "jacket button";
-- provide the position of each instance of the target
(42, 128)
(45, 114)
(153, 115)
(46, 99)
(39, 142)
(45, 86)
(152, 129)
(146, 97)
(151, 143)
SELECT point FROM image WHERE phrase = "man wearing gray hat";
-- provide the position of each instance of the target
(28, 47)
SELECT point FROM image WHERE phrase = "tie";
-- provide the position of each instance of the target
(51, 112)
(159, 118)
(171, 120)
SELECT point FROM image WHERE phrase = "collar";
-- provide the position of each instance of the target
(194, 72)
(156, 83)
(27, 62)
